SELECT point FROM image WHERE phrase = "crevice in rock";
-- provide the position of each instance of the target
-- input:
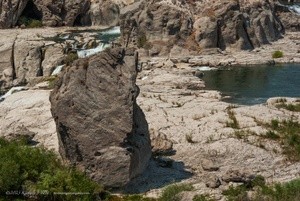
(40, 71)
(247, 35)
(13, 60)
(82, 20)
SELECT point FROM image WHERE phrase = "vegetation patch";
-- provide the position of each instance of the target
(142, 41)
(288, 133)
(172, 193)
(233, 123)
(240, 192)
(277, 54)
(71, 56)
(290, 107)
(202, 198)
(30, 23)
(189, 138)
(35, 173)
(289, 191)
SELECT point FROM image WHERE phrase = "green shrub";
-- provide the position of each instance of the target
(277, 54)
(289, 191)
(233, 123)
(240, 192)
(34, 24)
(290, 107)
(71, 56)
(29, 23)
(272, 135)
(202, 198)
(39, 172)
(142, 41)
(236, 193)
(171, 193)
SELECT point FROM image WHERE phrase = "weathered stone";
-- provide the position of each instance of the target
(28, 60)
(213, 182)
(27, 114)
(209, 165)
(100, 127)
(241, 25)
(53, 57)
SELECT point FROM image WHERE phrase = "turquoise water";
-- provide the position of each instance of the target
(255, 84)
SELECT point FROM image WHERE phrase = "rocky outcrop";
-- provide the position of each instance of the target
(159, 25)
(27, 114)
(289, 15)
(61, 13)
(30, 53)
(100, 127)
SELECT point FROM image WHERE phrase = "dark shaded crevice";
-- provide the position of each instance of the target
(31, 11)
(220, 40)
(40, 71)
(247, 35)
(82, 20)
(12, 58)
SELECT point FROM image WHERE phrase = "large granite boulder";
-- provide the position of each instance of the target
(100, 127)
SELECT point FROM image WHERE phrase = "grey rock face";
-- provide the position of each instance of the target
(196, 26)
(100, 127)
(61, 12)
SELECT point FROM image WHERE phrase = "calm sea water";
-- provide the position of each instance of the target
(255, 84)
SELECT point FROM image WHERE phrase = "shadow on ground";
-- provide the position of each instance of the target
(160, 172)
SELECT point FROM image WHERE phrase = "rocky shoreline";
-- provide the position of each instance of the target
(289, 45)
(137, 118)
(191, 137)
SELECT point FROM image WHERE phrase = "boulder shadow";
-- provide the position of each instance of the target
(160, 172)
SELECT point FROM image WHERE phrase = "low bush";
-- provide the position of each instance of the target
(172, 193)
(71, 56)
(289, 191)
(277, 54)
(290, 107)
(30, 23)
(36, 173)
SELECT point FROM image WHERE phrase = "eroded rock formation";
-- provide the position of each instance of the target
(100, 127)
(61, 12)
(195, 25)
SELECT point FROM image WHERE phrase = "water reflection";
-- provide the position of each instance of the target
(255, 84)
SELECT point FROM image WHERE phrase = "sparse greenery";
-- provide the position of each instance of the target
(240, 192)
(172, 193)
(288, 133)
(290, 107)
(38, 171)
(277, 54)
(142, 41)
(189, 138)
(236, 193)
(30, 23)
(240, 134)
(51, 81)
(289, 191)
(202, 198)
(71, 56)
(272, 135)
(233, 123)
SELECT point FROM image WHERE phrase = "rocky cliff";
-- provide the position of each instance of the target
(61, 12)
(100, 127)
(161, 25)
